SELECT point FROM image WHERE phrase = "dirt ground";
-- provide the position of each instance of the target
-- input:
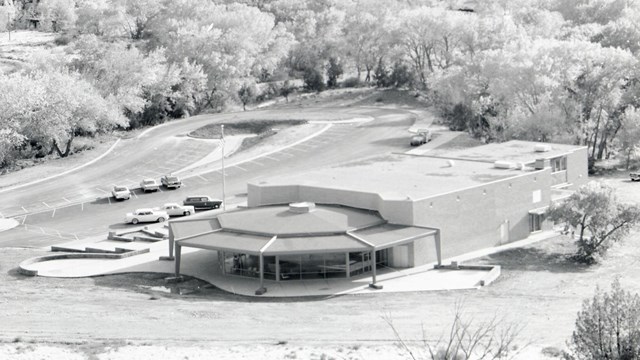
(140, 316)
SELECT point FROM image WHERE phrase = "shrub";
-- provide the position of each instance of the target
(334, 71)
(313, 80)
(608, 326)
(380, 75)
(352, 82)
(62, 39)
(401, 76)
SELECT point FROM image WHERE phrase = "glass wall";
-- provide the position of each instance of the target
(312, 266)
(241, 264)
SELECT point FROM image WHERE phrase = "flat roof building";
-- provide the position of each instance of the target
(394, 210)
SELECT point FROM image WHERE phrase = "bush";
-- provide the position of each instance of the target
(334, 71)
(62, 39)
(401, 76)
(313, 80)
(608, 326)
(352, 82)
(460, 117)
(380, 75)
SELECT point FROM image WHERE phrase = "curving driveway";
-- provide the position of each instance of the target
(76, 205)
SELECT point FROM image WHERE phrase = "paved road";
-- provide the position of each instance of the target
(70, 210)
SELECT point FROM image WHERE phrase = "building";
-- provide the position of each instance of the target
(394, 210)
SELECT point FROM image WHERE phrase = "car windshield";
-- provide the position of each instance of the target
(149, 181)
(172, 178)
(119, 189)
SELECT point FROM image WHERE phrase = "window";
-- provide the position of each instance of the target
(559, 164)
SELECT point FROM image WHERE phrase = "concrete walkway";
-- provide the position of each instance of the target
(203, 264)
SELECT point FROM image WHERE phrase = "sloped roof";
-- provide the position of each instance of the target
(278, 220)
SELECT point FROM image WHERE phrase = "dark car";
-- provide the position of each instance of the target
(170, 181)
(202, 202)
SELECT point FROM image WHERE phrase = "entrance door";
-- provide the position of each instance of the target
(535, 222)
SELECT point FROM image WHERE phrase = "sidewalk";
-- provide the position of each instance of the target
(203, 264)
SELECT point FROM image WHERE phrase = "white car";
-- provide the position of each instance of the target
(174, 209)
(121, 193)
(149, 185)
(146, 215)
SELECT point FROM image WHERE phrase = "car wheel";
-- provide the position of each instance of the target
(187, 213)
(160, 219)
(134, 221)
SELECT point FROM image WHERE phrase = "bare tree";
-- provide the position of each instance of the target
(466, 339)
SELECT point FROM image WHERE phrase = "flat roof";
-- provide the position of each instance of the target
(514, 151)
(398, 176)
(404, 176)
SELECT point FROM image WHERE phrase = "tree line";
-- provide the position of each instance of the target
(543, 70)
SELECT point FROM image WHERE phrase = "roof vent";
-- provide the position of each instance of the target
(542, 147)
(302, 207)
(501, 164)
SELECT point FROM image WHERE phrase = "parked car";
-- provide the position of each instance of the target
(145, 215)
(422, 137)
(634, 176)
(202, 202)
(121, 193)
(149, 185)
(174, 209)
(171, 181)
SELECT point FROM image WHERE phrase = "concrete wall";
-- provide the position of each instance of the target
(577, 168)
(394, 210)
(487, 215)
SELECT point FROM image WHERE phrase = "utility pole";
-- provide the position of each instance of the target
(224, 200)
(9, 24)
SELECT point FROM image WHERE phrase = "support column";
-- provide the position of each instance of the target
(346, 262)
(373, 284)
(262, 289)
(438, 248)
(171, 242)
(178, 255)
(277, 267)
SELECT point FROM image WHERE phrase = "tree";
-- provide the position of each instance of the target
(467, 339)
(381, 74)
(630, 135)
(608, 326)
(334, 71)
(313, 80)
(599, 218)
(247, 94)
(51, 108)
(58, 15)
(286, 89)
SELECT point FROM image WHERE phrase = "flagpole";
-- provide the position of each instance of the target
(224, 200)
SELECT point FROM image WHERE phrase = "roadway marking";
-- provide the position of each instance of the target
(202, 177)
(236, 166)
(106, 192)
(82, 207)
(109, 199)
(25, 210)
(24, 219)
(255, 162)
(53, 213)
(65, 199)
(286, 154)
(271, 158)
(47, 205)
(134, 194)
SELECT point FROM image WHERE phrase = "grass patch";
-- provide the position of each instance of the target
(248, 127)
